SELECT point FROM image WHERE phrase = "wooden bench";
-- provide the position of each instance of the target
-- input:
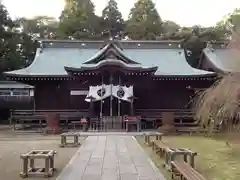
(29, 116)
(184, 171)
(176, 153)
(31, 120)
(189, 130)
(159, 147)
(192, 130)
(158, 136)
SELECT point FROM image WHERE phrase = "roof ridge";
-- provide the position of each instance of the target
(106, 49)
(102, 41)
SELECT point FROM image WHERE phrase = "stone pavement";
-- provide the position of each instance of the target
(110, 158)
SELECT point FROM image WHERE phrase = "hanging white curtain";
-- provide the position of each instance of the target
(97, 93)
(123, 92)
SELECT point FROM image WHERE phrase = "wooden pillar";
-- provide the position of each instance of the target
(132, 108)
(91, 107)
(101, 108)
(119, 101)
(111, 100)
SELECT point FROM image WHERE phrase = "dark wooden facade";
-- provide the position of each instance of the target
(150, 94)
(151, 90)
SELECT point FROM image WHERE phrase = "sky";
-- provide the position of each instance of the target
(184, 12)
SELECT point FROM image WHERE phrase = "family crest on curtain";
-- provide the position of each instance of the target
(98, 93)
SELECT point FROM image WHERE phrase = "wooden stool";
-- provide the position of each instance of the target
(75, 142)
(47, 155)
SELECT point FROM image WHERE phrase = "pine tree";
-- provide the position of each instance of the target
(16, 47)
(144, 22)
(9, 49)
(78, 20)
(113, 22)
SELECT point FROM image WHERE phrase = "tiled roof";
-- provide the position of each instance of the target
(224, 59)
(115, 62)
(169, 61)
(14, 85)
(169, 58)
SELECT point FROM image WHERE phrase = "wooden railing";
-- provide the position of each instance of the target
(182, 117)
(178, 113)
(39, 116)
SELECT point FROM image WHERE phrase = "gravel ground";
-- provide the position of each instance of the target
(13, 145)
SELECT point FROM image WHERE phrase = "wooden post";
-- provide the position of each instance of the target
(62, 140)
(145, 138)
(153, 146)
(25, 167)
(76, 140)
(167, 156)
(185, 158)
(47, 163)
(32, 163)
(171, 158)
(148, 140)
(192, 160)
(52, 163)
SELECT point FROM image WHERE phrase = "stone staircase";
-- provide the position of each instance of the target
(112, 122)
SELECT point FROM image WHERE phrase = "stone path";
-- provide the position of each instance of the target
(110, 158)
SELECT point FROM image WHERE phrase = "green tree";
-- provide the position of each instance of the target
(224, 28)
(232, 19)
(28, 48)
(78, 20)
(16, 47)
(9, 47)
(39, 26)
(144, 22)
(170, 27)
(113, 22)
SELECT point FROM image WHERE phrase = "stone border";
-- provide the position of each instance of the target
(59, 177)
(156, 170)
